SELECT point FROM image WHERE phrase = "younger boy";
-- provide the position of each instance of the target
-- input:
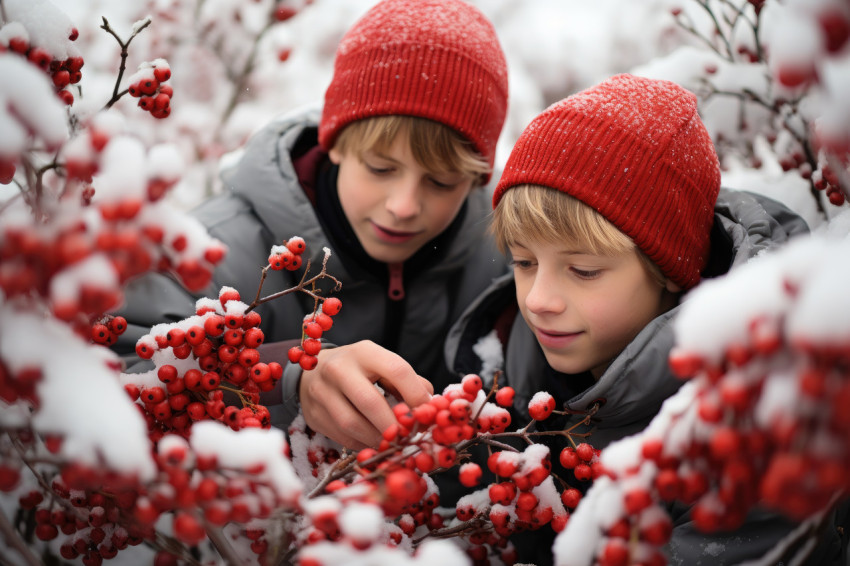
(610, 207)
(387, 176)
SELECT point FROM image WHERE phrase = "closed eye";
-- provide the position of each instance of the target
(378, 170)
(586, 274)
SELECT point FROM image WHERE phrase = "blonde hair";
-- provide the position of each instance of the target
(542, 214)
(435, 146)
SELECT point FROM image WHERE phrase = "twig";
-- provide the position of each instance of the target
(116, 96)
(305, 285)
(11, 536)
(341, 465)
(221, 545)
(471, 524)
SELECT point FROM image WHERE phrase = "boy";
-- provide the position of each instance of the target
(610, 207)
(388, 178)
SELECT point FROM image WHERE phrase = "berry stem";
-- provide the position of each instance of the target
(306, 286)
(221, 545)
(470, 525)
(116, 96)
(343, 465)
(13, 538)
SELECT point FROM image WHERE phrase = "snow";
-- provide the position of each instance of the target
(246, 449)
(46, 26)
(27, 107)
(553, 48)
(101, 427)
(123, 171)
(362, 522)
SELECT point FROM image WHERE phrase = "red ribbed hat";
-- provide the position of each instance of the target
(435, 59)
(635, 150)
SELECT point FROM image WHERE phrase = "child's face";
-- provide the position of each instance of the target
(393, 204)
(584, 308)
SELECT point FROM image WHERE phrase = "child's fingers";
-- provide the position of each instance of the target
(328, 412)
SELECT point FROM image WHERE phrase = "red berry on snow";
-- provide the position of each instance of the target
(470, 474)
(541, 406)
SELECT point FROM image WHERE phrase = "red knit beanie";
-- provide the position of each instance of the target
(435, 59)
(635, 150)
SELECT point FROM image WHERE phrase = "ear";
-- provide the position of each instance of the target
(672, 287)
(335, 155)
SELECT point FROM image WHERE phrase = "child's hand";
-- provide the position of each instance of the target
(339, 398)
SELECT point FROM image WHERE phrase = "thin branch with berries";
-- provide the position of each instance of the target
(125, 46)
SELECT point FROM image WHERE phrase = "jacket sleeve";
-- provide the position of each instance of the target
(765, 539)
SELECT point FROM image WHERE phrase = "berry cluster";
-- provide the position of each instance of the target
(198, 359)
(147, 84)
(430, 439)
(201, 480)
(63, 72)
(762, 420)
(101, 512)
(316, 324)
(107, 329)
(288, 255)
(583, 460)
(92, 509)
(79, 266)
(816, 149)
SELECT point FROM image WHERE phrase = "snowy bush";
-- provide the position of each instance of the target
(180, 464)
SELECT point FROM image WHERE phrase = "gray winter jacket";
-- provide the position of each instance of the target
(263, 205)
(632, 389)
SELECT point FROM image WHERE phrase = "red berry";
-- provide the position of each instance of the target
(260, 372)
(541, 406)
(313, 330)
(283, 13)
(794, 75)
(228, 294)
(253, 337)
(585, 451)
(571, 497)
(636, 500)
(248, 357)
(188, 529)
(615, 553)
(118, 324)
(167, 373)
(308, 362)
(9, 477)
(311, 346)
(162, 74)
(470, 474)
(7, 171)
(296, 245)
(100, 334)
(472, 384)
(324, 321)
(505, 396)
(214, 325)
(405, 486)
(295, 354)
(331, 306)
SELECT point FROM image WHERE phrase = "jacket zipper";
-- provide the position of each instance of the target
(395, 306)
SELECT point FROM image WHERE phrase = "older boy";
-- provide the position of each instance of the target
(386, 177)
(610, 207)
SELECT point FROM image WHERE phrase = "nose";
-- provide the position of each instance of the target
(544, 296)
(403, 200)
